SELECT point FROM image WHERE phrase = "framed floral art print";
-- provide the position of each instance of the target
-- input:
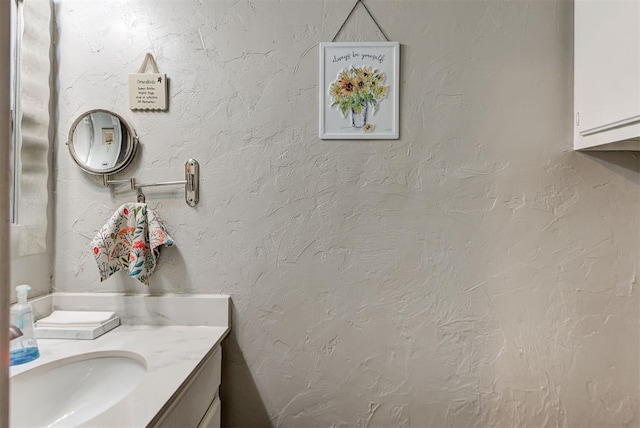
(359, 90)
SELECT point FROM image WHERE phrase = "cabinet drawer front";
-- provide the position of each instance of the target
(194, 400)
(212, 417)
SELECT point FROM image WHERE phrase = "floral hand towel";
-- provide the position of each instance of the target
(130, 240)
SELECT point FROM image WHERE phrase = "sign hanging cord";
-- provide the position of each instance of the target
(148, 58)
(351, 13)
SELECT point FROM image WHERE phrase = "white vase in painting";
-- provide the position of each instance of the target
(359, 118)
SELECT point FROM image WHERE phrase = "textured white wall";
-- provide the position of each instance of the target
(34, 270)
(476, 272)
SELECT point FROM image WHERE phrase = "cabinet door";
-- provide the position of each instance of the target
(211, 419)
(607, 64)
(196, 397)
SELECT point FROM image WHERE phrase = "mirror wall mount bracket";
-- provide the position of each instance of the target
(191, 183)
(106, 181)
(103, 143)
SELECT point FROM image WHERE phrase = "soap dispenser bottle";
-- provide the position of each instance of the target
(24, 347)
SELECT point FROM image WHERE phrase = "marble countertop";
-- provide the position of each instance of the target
(172, 333)
(172, 354)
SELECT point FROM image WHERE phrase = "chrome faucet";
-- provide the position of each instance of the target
(14, 332)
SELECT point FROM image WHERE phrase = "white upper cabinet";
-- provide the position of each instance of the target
(607, 75)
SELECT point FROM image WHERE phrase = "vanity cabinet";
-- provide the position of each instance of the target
(197, 404)
(607, 75)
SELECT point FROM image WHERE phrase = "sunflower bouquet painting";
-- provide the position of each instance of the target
(359, 90)
(354, 90)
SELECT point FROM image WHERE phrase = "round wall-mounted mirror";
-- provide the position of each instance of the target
(102, 142)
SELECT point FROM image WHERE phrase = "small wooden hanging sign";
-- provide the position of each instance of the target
(148, 91)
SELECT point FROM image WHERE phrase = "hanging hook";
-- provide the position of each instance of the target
(141, 197)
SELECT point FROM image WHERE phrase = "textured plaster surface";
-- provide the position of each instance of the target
(35, 270)
(476, 272)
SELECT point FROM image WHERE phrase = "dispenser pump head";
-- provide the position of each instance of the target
(21, 293)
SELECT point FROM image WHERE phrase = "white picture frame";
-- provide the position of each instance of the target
(359, 90)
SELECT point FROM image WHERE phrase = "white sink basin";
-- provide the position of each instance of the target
(73, 390)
